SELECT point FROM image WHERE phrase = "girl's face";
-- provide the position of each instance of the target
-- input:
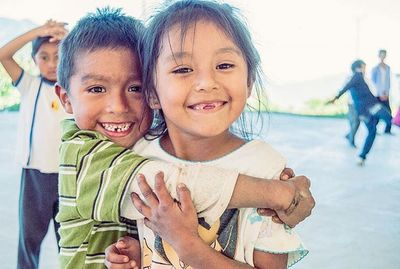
(201, 81)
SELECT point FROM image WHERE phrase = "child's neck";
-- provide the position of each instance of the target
(200, 149)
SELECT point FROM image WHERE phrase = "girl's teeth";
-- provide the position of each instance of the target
(206, 106)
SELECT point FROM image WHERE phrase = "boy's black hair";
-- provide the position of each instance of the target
(106, 28)
(382, 51)
(357, 64)
(37, 43)
(186, 13)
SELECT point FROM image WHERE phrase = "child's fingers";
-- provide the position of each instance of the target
(147, 192)
(114, 257)
(161, 191)
(287, 173)
(140, 205)
(266, 212)
(185, 199)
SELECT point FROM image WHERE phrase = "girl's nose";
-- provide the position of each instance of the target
(205, 81)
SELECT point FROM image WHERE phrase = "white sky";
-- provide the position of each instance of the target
(298, 40)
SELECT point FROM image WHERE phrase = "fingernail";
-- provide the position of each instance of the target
(181, 186)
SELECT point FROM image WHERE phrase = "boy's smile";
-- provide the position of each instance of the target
(105, 95)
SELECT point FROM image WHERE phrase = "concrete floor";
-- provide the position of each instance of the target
(356, 223)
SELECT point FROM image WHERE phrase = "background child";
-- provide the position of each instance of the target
(369, 109)
(100, 83)
(199, 68)
(38, 136)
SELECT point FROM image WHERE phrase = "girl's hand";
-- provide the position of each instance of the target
(125, 254)
(174, 221)
(56, 30)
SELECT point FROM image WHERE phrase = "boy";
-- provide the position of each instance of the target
(39, 125)
(97, 172)
(367, 106)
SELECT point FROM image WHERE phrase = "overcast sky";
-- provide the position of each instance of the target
(298, 40)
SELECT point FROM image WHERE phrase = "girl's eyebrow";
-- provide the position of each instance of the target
(184, 54)
(232, 50)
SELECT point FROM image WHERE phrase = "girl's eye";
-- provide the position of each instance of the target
(182, 70)
(45, 58)
(135, 89)
(97, 90)
(225, 66)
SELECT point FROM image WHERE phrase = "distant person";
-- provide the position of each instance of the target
(354, 120)
(39, 137)
(380, 77)
(396, 118)
(369, 109)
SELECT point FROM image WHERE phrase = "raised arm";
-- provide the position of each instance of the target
(51, 28)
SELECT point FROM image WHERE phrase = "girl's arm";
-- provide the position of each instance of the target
(51, 28)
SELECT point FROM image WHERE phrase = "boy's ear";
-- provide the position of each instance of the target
(154, 103)
(64, 99)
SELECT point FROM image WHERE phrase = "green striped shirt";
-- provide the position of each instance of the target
(94, 174)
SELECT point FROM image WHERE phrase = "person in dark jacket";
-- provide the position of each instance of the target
(369, 109)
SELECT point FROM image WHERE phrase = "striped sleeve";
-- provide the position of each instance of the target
(93, 177)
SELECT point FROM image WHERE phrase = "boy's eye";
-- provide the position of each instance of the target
(97, 90)
(182, 70)
(225, 66)
(135, 89)
(44, 58)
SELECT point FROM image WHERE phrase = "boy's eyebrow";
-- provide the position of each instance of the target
(93, 77)
(99, 77)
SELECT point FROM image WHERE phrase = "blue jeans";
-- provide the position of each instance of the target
(38, 205)
(381, 114)
(354, 122)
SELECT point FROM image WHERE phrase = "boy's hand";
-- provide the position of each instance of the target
(302, 201)
(286, 174)
(125, 254)
(174, 221)
(56, 30)
(302, 204)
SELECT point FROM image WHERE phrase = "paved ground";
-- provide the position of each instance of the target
(356, 223)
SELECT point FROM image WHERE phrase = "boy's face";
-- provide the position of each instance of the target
(46, 59)
(105, 95)
(382, 55)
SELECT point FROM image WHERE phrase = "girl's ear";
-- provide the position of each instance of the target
(64, 99)
(154, 103)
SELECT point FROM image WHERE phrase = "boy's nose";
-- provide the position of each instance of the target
(117, 103)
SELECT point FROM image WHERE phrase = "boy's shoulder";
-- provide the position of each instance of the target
(71, 131)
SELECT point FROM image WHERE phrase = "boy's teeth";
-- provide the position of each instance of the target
(116, 127)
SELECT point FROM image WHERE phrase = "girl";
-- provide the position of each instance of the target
(200, 66)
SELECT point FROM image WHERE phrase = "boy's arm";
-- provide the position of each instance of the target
(176, 223)
(50, 28)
